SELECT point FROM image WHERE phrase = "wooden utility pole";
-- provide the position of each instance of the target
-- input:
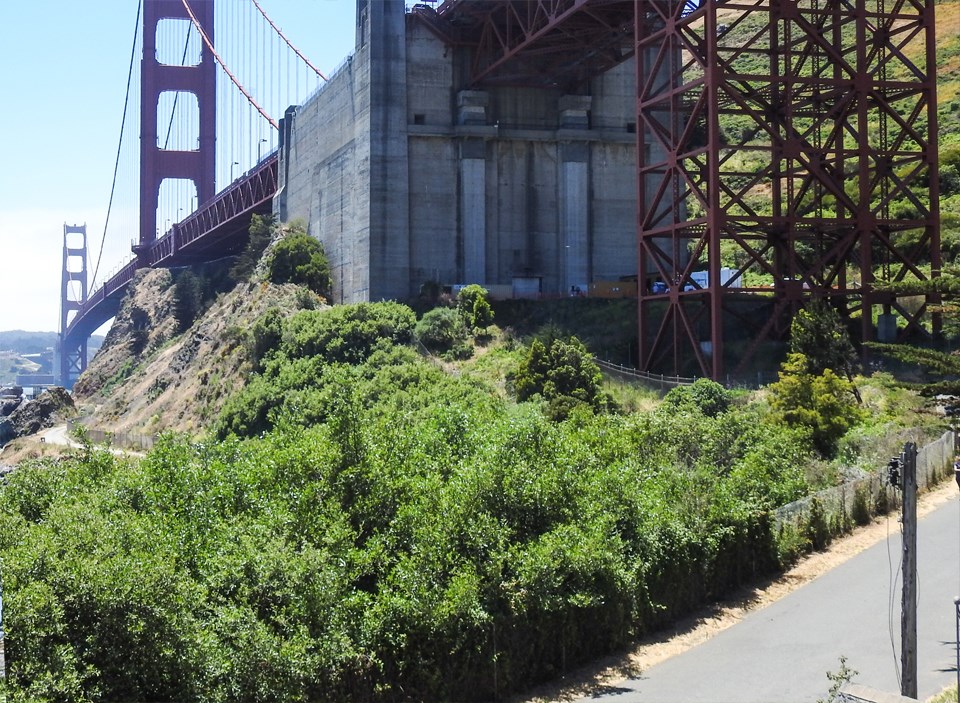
(908, 612)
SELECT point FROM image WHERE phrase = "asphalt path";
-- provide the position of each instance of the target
(782, 653)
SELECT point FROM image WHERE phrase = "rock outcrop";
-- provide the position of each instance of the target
(52, 406)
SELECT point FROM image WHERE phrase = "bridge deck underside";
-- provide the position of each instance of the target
(555, 43)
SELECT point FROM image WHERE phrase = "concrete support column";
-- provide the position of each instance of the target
(574, 217)
(575, 111)
(473, 210)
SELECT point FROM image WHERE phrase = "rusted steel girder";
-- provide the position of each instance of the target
(555, 43)
(799, 139)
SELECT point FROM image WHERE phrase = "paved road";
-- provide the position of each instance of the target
(781, 654)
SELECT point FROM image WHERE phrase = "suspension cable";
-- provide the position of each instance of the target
(116, 165)
(176, 96)
(284, 37)
(206, 40)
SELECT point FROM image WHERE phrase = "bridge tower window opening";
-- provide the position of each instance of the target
(178, 43)
(178, 119)
(177, 199)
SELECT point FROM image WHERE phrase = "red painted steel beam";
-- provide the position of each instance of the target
(800, 138)
(557, 43)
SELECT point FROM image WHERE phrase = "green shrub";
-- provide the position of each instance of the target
(818, 527)
(860, 510)
(708, 397)
(265, 336)
(822, 404)
(187, 298)
(441, 329)
(473, 302)
(563, 374)
(259, 235)
(347, 333)
(299, 258)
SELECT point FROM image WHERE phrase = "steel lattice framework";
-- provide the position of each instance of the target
(537, 42)
(796, 137)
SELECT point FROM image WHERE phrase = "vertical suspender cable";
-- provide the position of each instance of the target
(116, 165)
(276, 29)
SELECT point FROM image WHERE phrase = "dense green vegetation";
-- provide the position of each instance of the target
(299, 258)
(367, 526)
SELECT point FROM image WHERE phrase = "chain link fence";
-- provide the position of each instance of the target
(121, 440)
(857, 501)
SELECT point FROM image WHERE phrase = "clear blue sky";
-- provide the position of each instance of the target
(63, 69)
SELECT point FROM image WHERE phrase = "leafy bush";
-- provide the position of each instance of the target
(347, 333)
(473, 302)
(564, 374)
(385, 531)
(704, 395)
(822, 404)
(441, 329)
(265, 336)
(299, 258)
(187, 298)
(259, 235)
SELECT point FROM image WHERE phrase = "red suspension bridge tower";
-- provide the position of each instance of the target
(158, 163)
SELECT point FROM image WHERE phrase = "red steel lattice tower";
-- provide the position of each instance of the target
(156, 163)
(798, 138)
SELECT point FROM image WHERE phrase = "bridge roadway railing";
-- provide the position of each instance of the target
(240, 198)
(199, 236)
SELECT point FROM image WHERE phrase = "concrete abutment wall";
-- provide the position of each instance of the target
(409, 175)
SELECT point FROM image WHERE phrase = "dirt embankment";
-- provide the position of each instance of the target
(149, 377)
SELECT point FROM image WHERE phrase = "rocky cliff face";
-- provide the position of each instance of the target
(147, 378)
(54, 405)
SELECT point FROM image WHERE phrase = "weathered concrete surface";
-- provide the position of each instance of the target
(407, 174)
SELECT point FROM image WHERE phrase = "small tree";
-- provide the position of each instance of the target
(821, 403)
(187, 298)
(299, 258)
(260, 232)
(441, 329)
(473, 302)
(818, 333)
(564, 374)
